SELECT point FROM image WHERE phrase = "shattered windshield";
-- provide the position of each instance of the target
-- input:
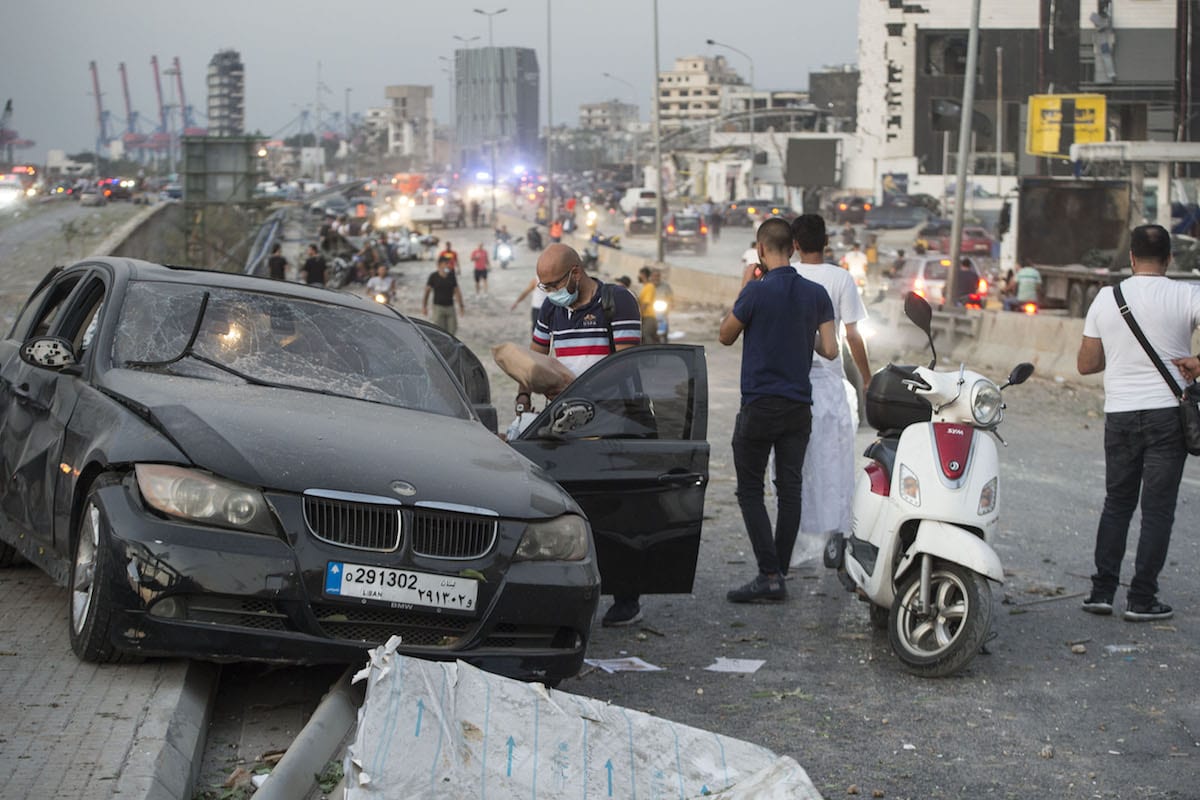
(282, 341)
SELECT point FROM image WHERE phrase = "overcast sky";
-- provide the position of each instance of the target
(368, 44)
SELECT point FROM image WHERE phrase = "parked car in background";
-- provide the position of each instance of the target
(745, 211)
(225, 467)
(930, 235)
(975, 241)
(642, 221)
(92, 196)
(683, 231)
(850, 209)
(895, 217)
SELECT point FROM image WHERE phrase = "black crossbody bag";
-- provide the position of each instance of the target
(1189, 411)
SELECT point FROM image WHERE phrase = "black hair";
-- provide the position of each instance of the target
(1151, 243)
(275, 248)
(808, 231)
(775, 235)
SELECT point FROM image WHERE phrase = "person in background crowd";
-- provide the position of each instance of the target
(382, 283)
(1143, 438)
(479, 258)
(277, 264)
(443, 284)
(1024, 287)
(450, 255)
(314, 267)
(646, 306)
(785, 319)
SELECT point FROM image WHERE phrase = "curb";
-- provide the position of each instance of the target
(164, 758)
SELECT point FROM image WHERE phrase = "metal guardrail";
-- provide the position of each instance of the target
(260, 251)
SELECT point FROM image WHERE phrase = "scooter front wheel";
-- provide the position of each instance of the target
(945, 637)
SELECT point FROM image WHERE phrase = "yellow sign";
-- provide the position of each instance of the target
(1056, 121)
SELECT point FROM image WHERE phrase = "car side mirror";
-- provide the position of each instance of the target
(51, 352)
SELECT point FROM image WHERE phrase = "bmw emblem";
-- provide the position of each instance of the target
(403, 488)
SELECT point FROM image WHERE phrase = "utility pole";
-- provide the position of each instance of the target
(999, 116)
(661, 197)
(964, 143)
(550, 117)
(494, 94)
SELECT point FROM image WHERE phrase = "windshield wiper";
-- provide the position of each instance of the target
(187, 348)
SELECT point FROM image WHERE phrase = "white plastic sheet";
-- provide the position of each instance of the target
(447, 730)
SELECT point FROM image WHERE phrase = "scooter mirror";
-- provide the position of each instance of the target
(917, 309)
(1020, 373)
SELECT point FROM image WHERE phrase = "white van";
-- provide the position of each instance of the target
(638, 196)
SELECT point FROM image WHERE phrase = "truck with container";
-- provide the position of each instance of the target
(1075, 231)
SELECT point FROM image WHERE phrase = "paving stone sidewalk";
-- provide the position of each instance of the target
(74, 730)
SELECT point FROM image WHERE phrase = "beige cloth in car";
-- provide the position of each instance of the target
(541, 373)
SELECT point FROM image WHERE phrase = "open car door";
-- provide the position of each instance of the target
(627, 440)
(466, 368)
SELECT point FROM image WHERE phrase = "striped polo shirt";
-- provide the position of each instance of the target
(579, 338)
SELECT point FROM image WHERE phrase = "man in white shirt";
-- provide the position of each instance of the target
(750, 256)
(827, 488)
(382, 283)
(1143, 438)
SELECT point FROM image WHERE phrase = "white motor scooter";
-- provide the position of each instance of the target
(925, 508)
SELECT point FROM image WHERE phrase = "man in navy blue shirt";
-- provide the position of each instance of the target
(785, 318)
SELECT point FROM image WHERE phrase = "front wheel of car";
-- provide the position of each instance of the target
(89, 609)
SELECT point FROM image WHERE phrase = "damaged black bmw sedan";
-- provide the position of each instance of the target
(225, 467)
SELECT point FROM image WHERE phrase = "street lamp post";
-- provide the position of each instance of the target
(449, 70)
(467, 40)
(632, 135)
(495, 91)
(660, 194)
(715, 43)
(549, 119)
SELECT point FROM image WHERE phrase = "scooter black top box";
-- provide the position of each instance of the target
(891, 405)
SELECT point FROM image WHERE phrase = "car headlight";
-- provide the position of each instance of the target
(563, 538)
(204, 498)
(986, 403)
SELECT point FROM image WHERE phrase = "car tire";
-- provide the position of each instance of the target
(89, 605)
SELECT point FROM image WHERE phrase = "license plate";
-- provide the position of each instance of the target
(400, 586)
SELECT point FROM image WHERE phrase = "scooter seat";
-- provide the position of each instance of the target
(883, 451)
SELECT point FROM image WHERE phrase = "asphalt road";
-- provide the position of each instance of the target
(1031, 719)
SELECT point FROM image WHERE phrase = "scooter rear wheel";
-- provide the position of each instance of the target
(945, 639)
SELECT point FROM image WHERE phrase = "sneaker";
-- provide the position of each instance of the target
(760, 590)
(1146, 612)
(1097, 603)
(622, 613)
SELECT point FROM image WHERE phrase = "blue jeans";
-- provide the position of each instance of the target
(784, 425)
(1143, 450)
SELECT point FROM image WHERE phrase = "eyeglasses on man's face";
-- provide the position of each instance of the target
(550, 287)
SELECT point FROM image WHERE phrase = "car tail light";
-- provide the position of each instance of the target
(982, 287)
(842, 206)
(1030, 308)
(703, 229)
(670, 229)
(866, 206)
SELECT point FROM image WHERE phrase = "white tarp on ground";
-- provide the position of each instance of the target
(448, 730)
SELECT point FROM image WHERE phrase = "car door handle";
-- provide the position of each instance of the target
(682, 478)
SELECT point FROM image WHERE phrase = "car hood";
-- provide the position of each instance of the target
(289, 440)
